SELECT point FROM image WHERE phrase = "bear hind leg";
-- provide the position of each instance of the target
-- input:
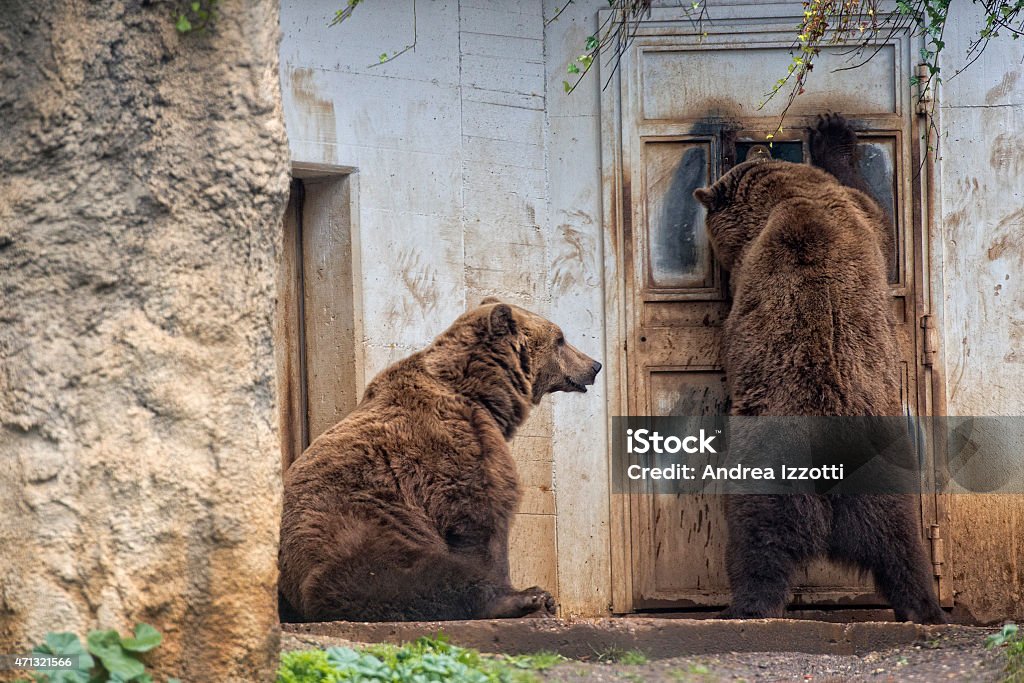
(880, 534)
(769, 537)
(414, 585)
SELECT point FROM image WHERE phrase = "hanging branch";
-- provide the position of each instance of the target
(345, 12)
(616, 33)
(860, 24)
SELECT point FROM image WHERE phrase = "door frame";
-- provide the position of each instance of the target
(617, 238)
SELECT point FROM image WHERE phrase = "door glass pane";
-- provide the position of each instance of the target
(877, 161)
(780, 151)
(678, 253)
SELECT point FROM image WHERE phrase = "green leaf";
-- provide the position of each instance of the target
(64, 643)
(383, 57)
(107, 646)
(341, 657)
(572, 68)
(591, 43)
(183, 24)
(146, 638)
(195, 6)
(565, 86)
(586, 61)
(67, 676)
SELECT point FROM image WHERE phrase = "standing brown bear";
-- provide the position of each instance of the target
(810, 333)
(401, 511)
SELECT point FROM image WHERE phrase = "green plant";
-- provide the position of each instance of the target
(307, 666)
(345, 12)
(195, 17)
(614, 654)
(693, 672)
(107, 656)
(1007, 634)
(1015, 662)
(855, 23)
(616, 32)
(1010, 637)
(425, 660)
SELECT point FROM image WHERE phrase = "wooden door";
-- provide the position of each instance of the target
(686, 112)
(319, 369)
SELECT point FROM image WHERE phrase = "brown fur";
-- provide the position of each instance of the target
(401, 511)
(810, 333)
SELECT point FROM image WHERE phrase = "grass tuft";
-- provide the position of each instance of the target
(1010, 638)
(424, 660)
(614, 654)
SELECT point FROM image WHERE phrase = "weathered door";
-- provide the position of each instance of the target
(684, 110)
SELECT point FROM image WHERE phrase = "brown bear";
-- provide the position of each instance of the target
(401, 511)
(810, 334)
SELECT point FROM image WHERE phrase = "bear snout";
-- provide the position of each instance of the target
(586, 377)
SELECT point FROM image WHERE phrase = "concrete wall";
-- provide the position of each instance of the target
(979, 254)
(142, 178)
(478, 175)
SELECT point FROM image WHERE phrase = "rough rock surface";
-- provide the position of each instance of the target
(143, 174)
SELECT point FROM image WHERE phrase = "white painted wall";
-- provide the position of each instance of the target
(980, 254)
(479, 176)
(981, 160)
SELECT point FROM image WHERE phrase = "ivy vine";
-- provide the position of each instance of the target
(863, 25)
(195, 16)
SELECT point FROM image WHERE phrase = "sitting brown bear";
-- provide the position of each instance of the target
(401, 511)
(810, 333)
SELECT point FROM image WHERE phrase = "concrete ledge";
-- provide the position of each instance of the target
(658, 638)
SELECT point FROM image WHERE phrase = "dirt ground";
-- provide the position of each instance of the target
(957, 654)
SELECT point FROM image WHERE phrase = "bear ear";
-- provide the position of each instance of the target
(490, 300)
(705, 195)
(501, 321)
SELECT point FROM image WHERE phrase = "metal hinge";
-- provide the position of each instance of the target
(938, 549)
(924, 92)
(930, 342)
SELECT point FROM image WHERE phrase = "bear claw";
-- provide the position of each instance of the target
(531, 602)
(542, 603)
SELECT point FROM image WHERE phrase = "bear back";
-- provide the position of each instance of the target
(810, 331)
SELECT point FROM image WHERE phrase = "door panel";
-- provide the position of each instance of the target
(710, 75)
(688, 113)
(678, 254)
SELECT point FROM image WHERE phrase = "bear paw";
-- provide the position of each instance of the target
(833, 143)
(532, 602)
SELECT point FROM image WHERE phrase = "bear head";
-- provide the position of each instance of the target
(739, 203)
(554, 364)
(508, 359)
